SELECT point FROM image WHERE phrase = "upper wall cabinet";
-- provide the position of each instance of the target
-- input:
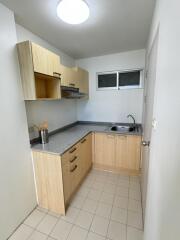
(82, 79)
(68, 77)
(75, 77)
(40, 72)
(44, 61)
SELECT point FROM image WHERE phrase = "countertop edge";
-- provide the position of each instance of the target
(79, 139)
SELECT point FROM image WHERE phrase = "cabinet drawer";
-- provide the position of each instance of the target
(71, 155)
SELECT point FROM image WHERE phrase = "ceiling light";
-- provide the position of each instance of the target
(73, 11)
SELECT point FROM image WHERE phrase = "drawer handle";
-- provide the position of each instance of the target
(71, 161)
(72, 84)
(73, 150)
(84, 140)
(72, 170)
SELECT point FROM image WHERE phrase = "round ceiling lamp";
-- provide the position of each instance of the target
(73, 11)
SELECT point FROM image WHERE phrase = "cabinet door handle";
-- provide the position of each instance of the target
(72, 84)
(84, 140)
(71, 161)
(73, 150)
(57, 74)
(72, 170)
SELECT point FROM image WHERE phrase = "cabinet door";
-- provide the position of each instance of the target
(86, 154)
(104, 149)
(121, 152)
(109, 150)
(49, 181)
(98, 148)
(44, 61)
(68, 76)
(89, 152)
(64, 75)
(70, 180)
(66, 182)
(83, 80)
(133, 152)
(74, 176)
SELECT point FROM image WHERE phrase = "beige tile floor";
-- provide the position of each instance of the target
(106, 207)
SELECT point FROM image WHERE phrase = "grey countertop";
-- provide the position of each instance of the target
(62, 141)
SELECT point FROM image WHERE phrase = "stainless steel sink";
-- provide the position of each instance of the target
(122, 128)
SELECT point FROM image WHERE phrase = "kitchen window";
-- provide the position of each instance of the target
(118, 80)
(107, 80)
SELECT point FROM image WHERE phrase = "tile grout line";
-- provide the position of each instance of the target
(49, 235)
(21, 223)
(99, 201)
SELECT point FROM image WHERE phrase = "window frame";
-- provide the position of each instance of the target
(106, 88)
(132, 86)
(140, 86)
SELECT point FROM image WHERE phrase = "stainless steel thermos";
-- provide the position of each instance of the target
(44, 136)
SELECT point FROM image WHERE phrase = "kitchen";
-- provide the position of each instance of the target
(91, 145)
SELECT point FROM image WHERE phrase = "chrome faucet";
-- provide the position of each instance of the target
(131, 116)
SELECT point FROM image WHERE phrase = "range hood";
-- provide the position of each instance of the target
(71, 93)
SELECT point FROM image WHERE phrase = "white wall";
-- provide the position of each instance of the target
(113, 105)
(163, 202)
(57, 113)
(17, 194)
(23, 34)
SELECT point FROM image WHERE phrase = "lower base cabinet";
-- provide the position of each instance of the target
(117, 152)
(58, 177)
(49, 181)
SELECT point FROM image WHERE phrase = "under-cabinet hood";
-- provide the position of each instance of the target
(71, 92)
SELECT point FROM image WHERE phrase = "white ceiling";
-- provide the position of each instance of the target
(114, 25)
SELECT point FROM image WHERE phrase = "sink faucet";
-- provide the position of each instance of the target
(131, 116)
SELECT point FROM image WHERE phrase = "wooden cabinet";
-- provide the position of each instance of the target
(58, 177)
(128, 152)
(99, 148)
(117, 152)
(68, 77)
(79, 160)
(76, 162)
(67, 182)
(82, 77)
(104, 149)
(75, 77)
(86, 154)
(42, 74)
(39, 69)
(49, 181)
(133, 152)
(44, 61)
(109, 150)
(121, 152)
